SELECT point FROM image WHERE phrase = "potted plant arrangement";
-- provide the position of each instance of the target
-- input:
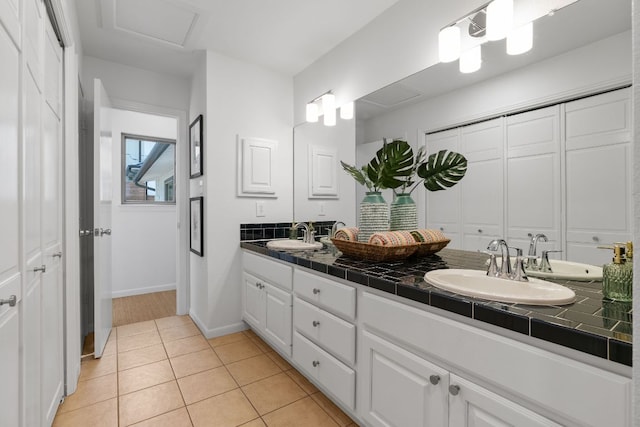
(396, 167)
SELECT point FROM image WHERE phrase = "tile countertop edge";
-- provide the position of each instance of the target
(598, 345)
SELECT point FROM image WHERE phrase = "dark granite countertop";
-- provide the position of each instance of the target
(591, 324)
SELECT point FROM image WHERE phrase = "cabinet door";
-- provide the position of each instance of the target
(277, 317)
(471, 406)
(482, 187)
(254, 307)
(388, 375)
(533, 195)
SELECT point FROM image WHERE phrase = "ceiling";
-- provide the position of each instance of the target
(163, 35)
(576, 25)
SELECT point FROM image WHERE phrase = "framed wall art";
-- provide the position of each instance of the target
(196, 144)
(196, 226)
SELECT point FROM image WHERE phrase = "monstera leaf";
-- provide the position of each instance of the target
(443, 170)
(395, 163)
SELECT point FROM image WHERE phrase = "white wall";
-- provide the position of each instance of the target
(144, 238)
(340, 138)
(401, 41)
(246, 100)
(127, 83)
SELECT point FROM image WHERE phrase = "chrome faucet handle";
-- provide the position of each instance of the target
(519, 274)
(533, 244)
(493, 266)
(505, 266)
(545, 266)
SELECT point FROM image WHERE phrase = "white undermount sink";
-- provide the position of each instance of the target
(476, 283)
(564, 270)
(292, 245)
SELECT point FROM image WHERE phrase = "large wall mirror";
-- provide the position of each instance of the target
(582, 49)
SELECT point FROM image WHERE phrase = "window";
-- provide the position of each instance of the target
(148, 166)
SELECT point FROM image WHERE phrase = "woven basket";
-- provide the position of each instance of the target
(368, 252)
(429, 248)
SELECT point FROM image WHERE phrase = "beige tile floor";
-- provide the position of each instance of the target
(165, 373)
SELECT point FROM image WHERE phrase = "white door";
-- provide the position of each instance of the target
(390, 375)
(10, 276)
(471, 406)
(102, 198)
(52, 353)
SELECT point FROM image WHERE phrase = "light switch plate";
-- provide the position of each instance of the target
(321, 212)
(260, 209)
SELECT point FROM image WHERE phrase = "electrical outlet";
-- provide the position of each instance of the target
(260, 209)
(321, 207)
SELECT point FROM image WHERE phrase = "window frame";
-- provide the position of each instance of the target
(123, 169)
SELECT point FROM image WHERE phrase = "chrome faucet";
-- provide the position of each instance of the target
(505, 268)
(308, 236)
(545, 265)
(519, 273)
(532, 261)
(334, 227)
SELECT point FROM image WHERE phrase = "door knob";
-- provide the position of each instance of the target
(57, 255)
(104, 231)
(43, 269)
(11, 301)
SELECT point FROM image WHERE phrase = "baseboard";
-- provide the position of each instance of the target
(217, 332)
(140, 291)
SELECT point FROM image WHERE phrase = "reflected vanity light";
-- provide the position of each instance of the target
(471, 60)
(329, 109)
(520, 40)
(449, 43)
(499, 19)
(312, 112)
(346, 111)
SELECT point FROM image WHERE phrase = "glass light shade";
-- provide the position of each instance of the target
(346, 111)
(329, 108)
(312, 112)
(520, 40)
(471, 60)
(449, 44)
(499, 19)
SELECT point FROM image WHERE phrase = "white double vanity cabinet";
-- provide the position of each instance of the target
(563, 170)
(390, 361)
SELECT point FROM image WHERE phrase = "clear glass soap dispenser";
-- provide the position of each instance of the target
(617, 276)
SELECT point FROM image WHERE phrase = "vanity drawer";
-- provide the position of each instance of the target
(272, 271)
(335, 376)
(325, 329)
(335, 297)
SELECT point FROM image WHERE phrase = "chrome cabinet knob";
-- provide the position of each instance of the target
(43, 269)
(434, 379)
(316, 323)
(104, 231)
(479, 230)
(316, 291)
(11, 301)
(315, 363)
(57, 255)
(454, 389)
(595, 238)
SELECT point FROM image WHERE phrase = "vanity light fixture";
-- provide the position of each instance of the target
(312, 112)
(329, 109)
(499, 19)
(346, 111)
(449, 43)
(520, 40)
(471, 60)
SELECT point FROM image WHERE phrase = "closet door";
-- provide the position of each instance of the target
(443, 207)
(10, 269)
(598, 171)
(533, 185)
(482, 187)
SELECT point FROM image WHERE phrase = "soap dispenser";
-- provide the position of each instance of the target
(617, 276)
